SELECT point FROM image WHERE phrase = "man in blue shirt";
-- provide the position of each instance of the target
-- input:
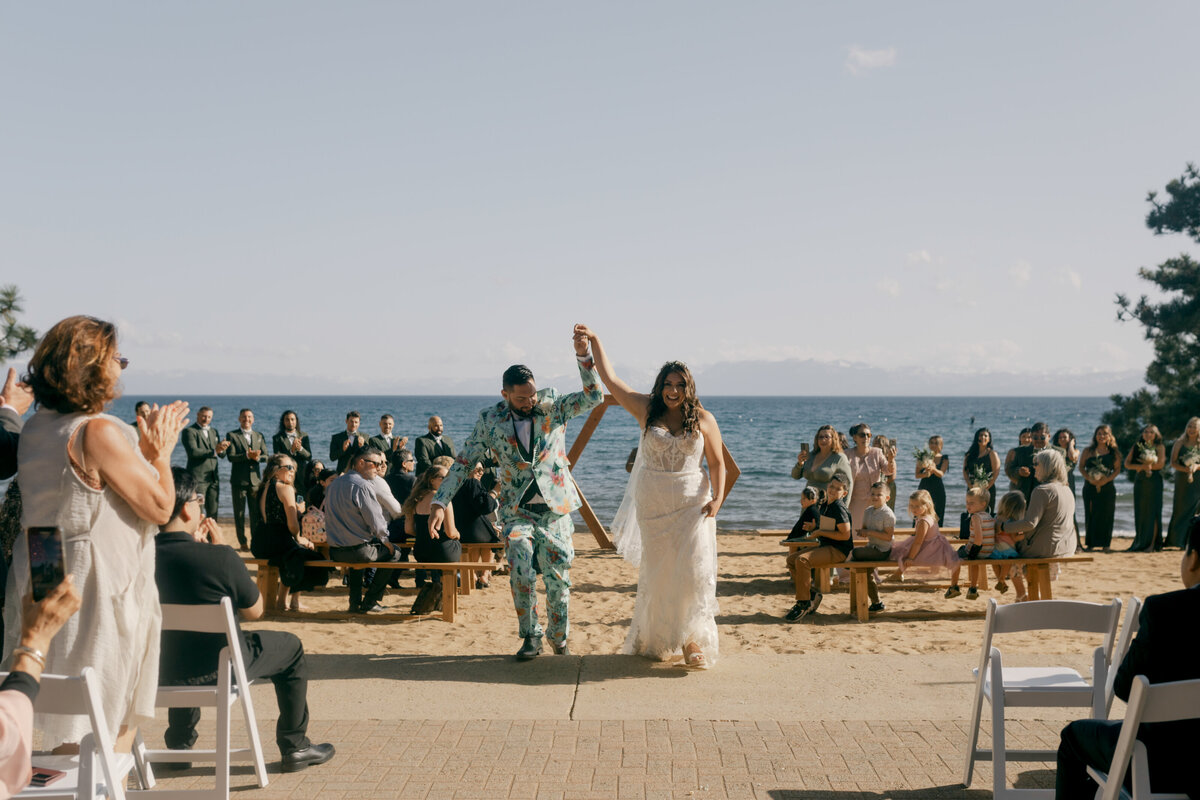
(357, 530)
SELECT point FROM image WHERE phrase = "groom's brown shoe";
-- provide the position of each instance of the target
(532, 648)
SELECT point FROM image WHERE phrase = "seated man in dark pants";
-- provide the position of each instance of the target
(191, 569)
(356, 529)
(1165, 649)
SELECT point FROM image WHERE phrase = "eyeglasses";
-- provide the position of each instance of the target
(376, 464)
(862, 436)
(124, 362)
(288, 467)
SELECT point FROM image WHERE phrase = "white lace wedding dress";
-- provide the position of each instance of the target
(660, 529)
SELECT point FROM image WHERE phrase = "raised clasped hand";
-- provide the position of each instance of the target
(581, 337)
(160, 429)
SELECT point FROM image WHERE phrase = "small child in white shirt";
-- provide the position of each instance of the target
(879, 526)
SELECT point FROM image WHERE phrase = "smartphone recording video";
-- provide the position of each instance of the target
(45, 560)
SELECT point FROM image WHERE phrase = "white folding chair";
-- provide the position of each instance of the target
(1128, 630)
(96, 772)
(1148, 702)
(1035, 686)
(232, 688)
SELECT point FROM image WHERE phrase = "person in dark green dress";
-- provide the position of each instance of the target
(1099, 462)
(930, 474)
(1146, 460)
(982, 461)
(1185, 461)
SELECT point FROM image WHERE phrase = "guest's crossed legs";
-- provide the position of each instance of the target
(550, 535)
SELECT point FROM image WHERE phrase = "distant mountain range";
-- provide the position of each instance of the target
(794, 377)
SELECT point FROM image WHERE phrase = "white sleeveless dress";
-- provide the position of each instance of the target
(660, 528)
(110, 551)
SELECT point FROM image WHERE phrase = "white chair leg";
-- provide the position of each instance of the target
(973, 731)
(145, 772)
(222, 754)
(260, 766)
(999, 756)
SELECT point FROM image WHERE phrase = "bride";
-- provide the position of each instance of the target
(666, 525)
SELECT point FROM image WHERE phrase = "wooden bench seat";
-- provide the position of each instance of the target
(268, 581)
(1037, 573)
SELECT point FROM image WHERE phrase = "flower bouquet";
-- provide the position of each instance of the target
(1146, 452)
(1095, 469)
(925, 458)
(1189, 456)
(981, 476)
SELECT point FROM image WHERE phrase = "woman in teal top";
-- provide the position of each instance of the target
(825, 461)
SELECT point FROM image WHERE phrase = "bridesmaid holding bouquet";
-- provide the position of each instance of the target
(1099, 466)
(1185, 461)
(1146, 460)
(932, 465)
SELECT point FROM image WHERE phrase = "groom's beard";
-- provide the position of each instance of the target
(518, 412)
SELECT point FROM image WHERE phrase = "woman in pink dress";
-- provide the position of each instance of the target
(926, 551)
(868, 465)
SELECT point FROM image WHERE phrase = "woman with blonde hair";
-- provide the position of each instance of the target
(106, 487)
(1184, 461)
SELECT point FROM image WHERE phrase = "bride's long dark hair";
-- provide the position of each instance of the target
(691, 405)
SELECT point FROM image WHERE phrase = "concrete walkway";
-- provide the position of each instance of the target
(755, 726)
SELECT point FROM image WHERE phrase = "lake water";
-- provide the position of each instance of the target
(763, 434)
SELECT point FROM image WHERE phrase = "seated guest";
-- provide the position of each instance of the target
(472, 505)
(879, 527)
(836, 542)
(356, 528)
(402, 478)
(1165, 649)
(39, 624)
(278, 532)
(810, 515)
(428, 545)
(321, 481)
(192, 570)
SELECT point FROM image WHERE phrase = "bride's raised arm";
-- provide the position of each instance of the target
(635, 403)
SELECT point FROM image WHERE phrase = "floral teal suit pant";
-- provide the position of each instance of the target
(550, 536)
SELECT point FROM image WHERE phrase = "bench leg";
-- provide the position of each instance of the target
(268, 585)
(449, 594)
(468, 577)
(824, 579)
(1034, 581)
(1044, 590)
(858, 586)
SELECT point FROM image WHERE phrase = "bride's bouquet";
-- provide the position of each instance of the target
(1095, 469)
(925, 458)
(1189, 456)
(981, 476)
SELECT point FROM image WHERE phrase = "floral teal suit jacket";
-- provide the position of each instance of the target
(547, 465)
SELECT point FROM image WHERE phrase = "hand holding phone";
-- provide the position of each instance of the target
(46, 568)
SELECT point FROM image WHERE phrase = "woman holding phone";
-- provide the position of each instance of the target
(106, 487)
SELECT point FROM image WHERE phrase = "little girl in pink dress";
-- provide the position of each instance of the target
(927, 550)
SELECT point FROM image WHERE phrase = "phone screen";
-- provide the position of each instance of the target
(45, 560)
(804, 447)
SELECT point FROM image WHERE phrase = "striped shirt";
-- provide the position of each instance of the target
(987, 524)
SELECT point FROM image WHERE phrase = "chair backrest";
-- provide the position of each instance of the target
(209, 618)
(1129, 628)
(80, 696)
(1068, 615)
(1158, 702)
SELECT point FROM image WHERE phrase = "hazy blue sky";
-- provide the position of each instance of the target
(399, 196)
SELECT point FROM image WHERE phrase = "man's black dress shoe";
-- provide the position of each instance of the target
(313, 754)
(561, 649)
(531, 649)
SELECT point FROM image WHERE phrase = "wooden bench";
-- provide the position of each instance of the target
(473, 549)
(1037, 573)
(268, 580)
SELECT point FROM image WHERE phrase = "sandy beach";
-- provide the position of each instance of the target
(754, 592)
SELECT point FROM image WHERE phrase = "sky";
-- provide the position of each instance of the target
(388, 197)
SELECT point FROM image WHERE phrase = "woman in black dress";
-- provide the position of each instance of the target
(1146, 460)
(279, 512)
(981, 466)
(930, 472)
(430, 546)
(472, 505)
(1099, 463)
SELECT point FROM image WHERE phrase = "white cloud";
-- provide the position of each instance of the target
(1020, 272)
(889, 286)
(1070, 277)
(918, 257)
(860, 61)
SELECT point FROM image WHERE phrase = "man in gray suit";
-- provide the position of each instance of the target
(247, 448)
(203, 446)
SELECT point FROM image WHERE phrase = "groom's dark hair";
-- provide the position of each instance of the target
(517, 375)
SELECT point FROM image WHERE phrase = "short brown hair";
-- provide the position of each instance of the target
(70, 368)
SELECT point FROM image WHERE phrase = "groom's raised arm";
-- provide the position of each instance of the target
(575, 403)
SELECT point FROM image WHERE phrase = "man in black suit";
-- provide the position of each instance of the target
(15, 400)
(203, 446)
(345, 445)
(387, 443)
(293, 441)
(247, 448)
(1165, 649)
(1021, 469)
(432, 445)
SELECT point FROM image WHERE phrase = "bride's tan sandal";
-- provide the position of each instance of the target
(694, 658)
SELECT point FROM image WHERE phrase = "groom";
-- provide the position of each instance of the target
(526, 432)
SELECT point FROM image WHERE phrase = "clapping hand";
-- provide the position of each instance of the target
(160, 429)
